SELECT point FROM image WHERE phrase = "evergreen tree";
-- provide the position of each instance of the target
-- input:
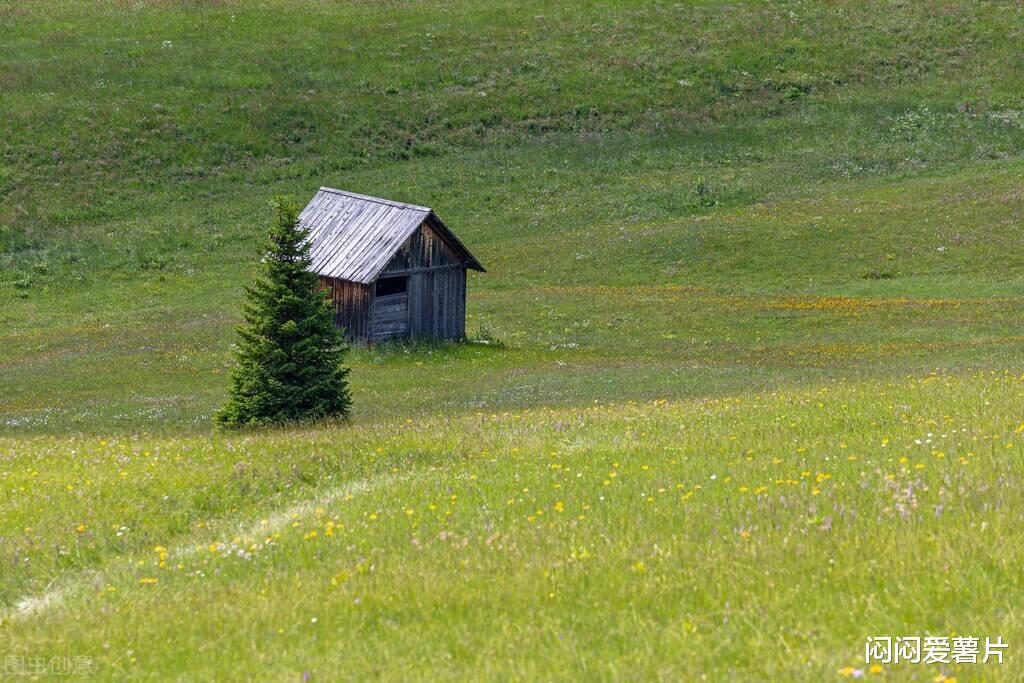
(290, 354)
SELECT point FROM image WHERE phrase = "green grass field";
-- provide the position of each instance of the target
(743, 385)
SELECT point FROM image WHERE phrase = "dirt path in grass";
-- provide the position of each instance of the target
(68, 585)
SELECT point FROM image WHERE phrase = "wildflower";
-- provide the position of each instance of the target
(80, 528)
(148, 580)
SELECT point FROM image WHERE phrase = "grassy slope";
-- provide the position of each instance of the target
(747, 538)
(673, 202)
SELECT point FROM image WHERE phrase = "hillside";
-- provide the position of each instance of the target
(717, 236)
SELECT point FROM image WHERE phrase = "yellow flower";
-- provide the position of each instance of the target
(876, 669)
(80, 528)
(147, 580)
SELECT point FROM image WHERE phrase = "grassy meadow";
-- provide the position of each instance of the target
(743, 380)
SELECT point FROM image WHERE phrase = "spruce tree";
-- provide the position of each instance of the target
(289, 352)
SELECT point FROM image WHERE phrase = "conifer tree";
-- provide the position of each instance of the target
(290, 355)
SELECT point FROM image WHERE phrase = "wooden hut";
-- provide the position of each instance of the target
(392, 269)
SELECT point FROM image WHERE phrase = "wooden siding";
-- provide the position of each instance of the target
(425, 249)
(437, 284)
(351, 302)
(437, 303)
(390, 316)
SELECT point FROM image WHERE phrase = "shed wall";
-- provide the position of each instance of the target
(437, 284)
(437, 303)
(351, 302)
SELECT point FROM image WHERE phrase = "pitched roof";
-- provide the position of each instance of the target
(352, 236)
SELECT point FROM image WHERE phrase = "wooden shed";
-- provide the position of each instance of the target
(392, 269)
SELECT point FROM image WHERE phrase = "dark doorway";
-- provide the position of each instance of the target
(392, 285)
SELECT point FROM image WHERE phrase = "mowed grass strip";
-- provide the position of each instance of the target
(751, 536)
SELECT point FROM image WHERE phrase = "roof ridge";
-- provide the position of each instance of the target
(378, 200)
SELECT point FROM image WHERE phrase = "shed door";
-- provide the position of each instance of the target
(391, 308)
